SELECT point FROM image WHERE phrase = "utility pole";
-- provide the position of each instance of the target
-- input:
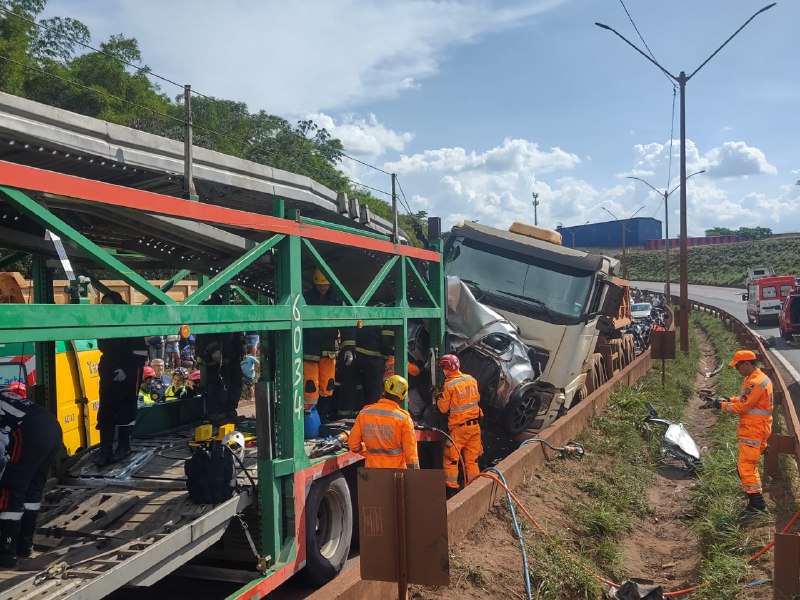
(189, 190)
(394, 208)
(681, 80)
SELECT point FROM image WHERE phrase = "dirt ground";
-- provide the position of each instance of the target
(664, 547)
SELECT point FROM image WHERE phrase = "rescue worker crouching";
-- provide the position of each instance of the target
(384, 432)
(319, 354)
(459, 399)
(754, 407)
(30, 437)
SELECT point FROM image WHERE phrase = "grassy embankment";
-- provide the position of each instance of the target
(720, 265)
(620, 463)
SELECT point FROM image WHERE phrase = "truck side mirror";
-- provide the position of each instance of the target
(611, 299)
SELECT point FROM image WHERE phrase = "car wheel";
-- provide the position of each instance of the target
(520, 413)
(329, 528)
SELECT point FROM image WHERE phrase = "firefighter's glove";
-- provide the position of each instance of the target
(435, 392)
(347, 357)
(119, 375)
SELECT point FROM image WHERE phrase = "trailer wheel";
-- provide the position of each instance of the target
(329, 528)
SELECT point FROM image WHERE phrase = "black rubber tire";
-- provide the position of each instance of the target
(519, 414)
(329, 528)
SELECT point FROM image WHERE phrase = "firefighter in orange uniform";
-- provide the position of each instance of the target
(754, 407)
(384, 432)
(460, 398)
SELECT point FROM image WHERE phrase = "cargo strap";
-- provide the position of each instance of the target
(261, 562)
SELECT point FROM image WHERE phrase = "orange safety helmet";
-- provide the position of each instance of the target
(742, 355)
(449, 362)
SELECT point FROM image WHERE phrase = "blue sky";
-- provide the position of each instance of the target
(470, 101)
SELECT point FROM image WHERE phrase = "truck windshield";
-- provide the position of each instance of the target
(547, 289)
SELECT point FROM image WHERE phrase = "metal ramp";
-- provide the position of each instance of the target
(130, 524)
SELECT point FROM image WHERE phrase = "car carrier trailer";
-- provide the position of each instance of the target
(132, 523)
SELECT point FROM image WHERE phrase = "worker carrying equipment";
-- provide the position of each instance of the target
(384, 432)
(754, 407)
(31, 437)
(459, 399)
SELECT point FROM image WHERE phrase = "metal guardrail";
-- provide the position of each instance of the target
(786, 553)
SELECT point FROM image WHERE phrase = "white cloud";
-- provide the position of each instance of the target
(731, 159)
(365, 138)
(292, 58)
(737, 159)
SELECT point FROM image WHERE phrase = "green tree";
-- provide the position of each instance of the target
(719, 231)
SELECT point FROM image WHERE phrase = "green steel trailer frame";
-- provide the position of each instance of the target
(260, 268)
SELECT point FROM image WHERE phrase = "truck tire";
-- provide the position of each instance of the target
(521, 412)
(329, 528)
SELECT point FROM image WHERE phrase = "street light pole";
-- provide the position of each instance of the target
(682, 80)
(666, 194)
(624, 227)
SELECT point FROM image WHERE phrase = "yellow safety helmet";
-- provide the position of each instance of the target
(319, 278)
(396, 387)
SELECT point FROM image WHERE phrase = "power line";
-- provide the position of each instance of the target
(405, 200)
(146, 70)
(671, 137)
(364, 185)
(630, 18)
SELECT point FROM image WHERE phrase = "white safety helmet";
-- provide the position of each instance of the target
(235, 441)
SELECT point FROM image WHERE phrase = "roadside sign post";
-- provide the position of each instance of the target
(402, 522)
(662, 345)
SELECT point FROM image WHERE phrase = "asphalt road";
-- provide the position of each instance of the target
(730, 300)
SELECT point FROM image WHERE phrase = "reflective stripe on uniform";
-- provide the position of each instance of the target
(389, 451)
(764, 383)
(383, 413)
(755, 443)
(758, 411)
(752, 488)
(456, 380)
(32, 505)
(464, 407)
(369, 352)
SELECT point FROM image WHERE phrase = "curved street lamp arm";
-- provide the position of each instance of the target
(609, 212)
(647, 184)
(635, 47)
(687, 179)
(766, 8)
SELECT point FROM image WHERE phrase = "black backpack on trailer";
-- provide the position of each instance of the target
(210, 473)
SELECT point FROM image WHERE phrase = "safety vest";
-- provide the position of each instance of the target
(387, 434)
(460, 397)
(754, 407)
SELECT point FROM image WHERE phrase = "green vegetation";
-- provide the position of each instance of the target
(621, 456)
(718, 499)
(745, 233)
(720, 265)
(46, 61)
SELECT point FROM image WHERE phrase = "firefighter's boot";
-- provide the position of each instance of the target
(755, 506)
(123, 450)
(105, 451)
(27, 528)
(9, 531)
